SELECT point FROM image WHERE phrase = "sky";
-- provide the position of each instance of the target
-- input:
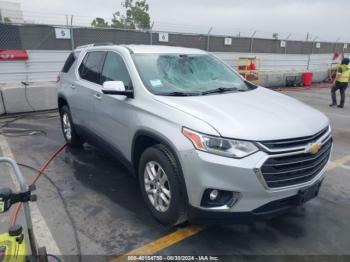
(325, 20)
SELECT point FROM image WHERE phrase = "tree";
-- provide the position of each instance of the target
(136, 17)
(119, 21)
(99, 22)
(7, 20)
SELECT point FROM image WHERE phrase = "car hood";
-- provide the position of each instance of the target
(258, 114)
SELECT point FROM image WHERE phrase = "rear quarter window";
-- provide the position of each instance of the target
(69, 62)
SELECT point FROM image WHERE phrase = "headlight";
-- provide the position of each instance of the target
(220, 146)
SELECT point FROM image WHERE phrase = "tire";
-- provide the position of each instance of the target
(68, 130)
(175, 212)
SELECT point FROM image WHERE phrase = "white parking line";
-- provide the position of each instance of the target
(338, 115)
(345, 167)
(41, 230)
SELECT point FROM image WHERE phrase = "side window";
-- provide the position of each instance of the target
(90, 68)
(114, 69)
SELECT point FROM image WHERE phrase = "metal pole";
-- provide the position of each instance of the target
(210, 29)
(336, 43)
(285, 49)
(312, 50)
(251, 42)
(71, 32)
(151, 35)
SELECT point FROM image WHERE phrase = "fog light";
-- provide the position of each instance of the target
(217, 198)
(213, 194)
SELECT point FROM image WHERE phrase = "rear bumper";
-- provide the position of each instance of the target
(268, 211)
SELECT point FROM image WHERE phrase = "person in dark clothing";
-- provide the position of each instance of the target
(341, 82)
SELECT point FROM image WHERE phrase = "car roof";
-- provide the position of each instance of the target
(146, 49)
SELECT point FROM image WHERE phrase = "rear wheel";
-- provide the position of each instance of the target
(68, 129)
(160, 185)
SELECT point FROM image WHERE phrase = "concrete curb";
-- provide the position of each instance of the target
(16, 98)
(2, 106)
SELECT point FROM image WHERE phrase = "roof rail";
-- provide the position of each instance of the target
(99, 44)
(94, 44)
(129, 49)
(84, 46)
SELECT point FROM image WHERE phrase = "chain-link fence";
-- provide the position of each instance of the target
(44, 37)
(49, 45)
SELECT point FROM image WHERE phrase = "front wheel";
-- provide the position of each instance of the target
(160, 185)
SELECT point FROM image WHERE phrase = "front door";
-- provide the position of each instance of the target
(113, 112)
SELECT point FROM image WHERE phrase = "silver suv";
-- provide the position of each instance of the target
(205, 145)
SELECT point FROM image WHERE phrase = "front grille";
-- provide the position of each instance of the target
(296, 142)
(280, 171)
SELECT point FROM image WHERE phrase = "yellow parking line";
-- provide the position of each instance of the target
(162, 243)
(339, 162)
(184, 233)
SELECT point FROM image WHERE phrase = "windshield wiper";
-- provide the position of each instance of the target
(217, 90)
(220, 90)
(178, 93)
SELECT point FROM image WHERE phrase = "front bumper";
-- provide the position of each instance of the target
(203, 170)
(268, 211)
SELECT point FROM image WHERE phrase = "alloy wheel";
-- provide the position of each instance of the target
(157, 186)
(67, 129)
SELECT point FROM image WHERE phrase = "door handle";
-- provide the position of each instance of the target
(98, 96)
(73, 86)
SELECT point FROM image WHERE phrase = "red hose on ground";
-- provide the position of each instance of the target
(41, 171)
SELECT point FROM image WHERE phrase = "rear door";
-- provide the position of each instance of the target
(88, 82)
(66, 80)
(114, 112)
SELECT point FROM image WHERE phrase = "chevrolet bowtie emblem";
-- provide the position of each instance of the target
(313, 148)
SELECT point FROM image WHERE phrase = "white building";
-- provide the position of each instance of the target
(11, 12)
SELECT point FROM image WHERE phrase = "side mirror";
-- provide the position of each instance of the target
(116, 88)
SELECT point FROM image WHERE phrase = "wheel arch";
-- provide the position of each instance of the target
(61, 101)
(144, 139)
